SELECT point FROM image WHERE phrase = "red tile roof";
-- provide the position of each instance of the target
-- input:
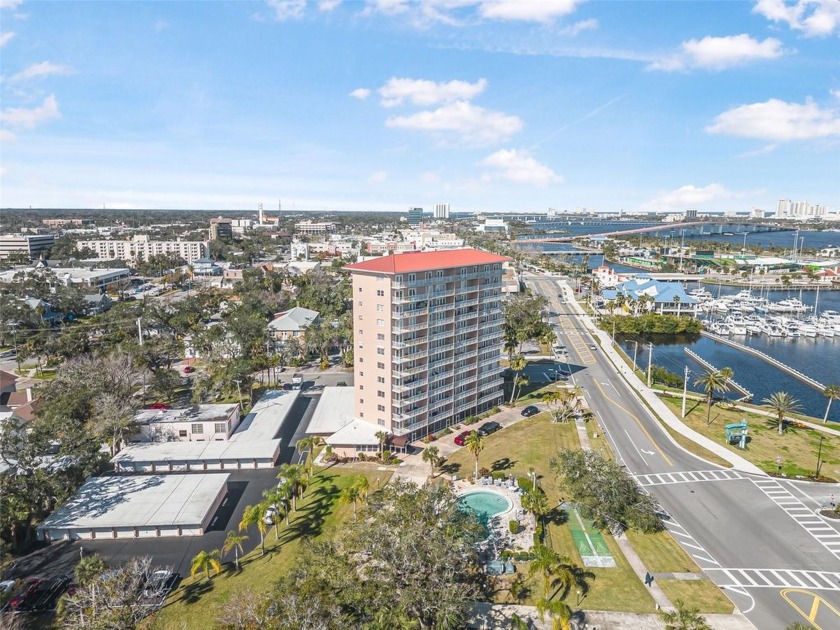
(427, 261)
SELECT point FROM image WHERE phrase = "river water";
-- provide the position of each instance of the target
(817, 357)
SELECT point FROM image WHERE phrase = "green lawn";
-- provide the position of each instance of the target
(702, 594)
(797, 447)
(197, 602)
(661, 553)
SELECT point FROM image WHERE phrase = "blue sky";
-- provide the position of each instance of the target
(508, 105)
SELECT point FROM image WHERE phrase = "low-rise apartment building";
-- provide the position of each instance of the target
(141, 248)
(32, 245)
(199, 423)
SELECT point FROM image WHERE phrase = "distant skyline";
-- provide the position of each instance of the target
(494, 105)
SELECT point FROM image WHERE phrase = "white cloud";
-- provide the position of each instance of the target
(430, 177)
(328, 5)
(388, 7)
(814, 18)
(473, 124)
(767, 148)
(690, 196)
(360, 93)
(10, 4)
(527, 10)
(519, 166)
(778, 121)
(43, 69)
(160, 25)
(579, 27)
(717, 53)
(6, 136)
(287, 9)
(379, 177)
(29, 118)
(5, 38)
(422, 92)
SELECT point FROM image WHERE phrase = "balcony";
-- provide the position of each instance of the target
(439, 321)
(466, 302)
(410, 371)
(408, 343)
(400, 328)
(408, 386)
(493, 396)
(411, 399)
(409, 417)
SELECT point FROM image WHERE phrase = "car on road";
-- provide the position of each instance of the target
(488, 427)
(160, 583)
(592, 346)
(530, 410)
(461, 438)
(189, 369)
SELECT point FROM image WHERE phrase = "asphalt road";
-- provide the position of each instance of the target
(758, 538)
(245, 488)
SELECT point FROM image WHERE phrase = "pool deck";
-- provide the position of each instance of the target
(523, 540)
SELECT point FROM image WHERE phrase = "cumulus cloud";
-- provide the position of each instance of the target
(378, 177)
(519, 166)
(579, 27)
(287, 9)
(527, 11)
(5, 38)
(328, 5)
(6, 136)
(778, 121)
(470, 123)
(430, 177)
(360, 93)
(690, 196)
(43, 69)
(814, 18)
(424, 93)
(24, 118)
(10, 4)
(718, 53)
(388, 7)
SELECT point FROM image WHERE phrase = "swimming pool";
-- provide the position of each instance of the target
(484, 505)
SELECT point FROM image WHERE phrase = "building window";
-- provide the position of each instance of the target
(380, 407)
(182, 433)
(221, 427)
(380, 337)
(381, 366)
(380, 379)
(361, 345)
(360, 289)
(361, 332)
(360, 303)
(361, 359)
(379, 322)
(380, 351)
(380, 393)
(361, 386)
(361, 401)
(380, 293)
(380, 422)
(360, 318)
(361, 373)
(362, 413)
(380, 308)
(197, 429)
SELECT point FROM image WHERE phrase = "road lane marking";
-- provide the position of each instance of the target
(638, 422)
(814, 609)
(775, 578)
(636, 447)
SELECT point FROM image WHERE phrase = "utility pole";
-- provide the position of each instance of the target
(613, 336)
(819, 459)
(650, 362)
(635, 352)
(239, 392)
(139, 332)
(685, 389)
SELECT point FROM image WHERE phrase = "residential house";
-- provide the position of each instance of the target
(292, 324)
(97, 303)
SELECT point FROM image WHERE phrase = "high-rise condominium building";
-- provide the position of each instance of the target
(428, 338)
(441, 211)
(787, 209)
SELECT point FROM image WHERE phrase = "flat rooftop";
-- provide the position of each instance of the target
(197, 413)
(139, 501)
(254, 438)
(334, 411)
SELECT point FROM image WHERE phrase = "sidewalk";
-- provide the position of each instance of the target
(650, 397)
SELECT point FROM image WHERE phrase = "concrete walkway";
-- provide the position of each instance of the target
(650, 397)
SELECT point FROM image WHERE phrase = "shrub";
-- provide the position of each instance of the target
(386, 455)
(498, 474)
(446, 431)
(395, 461)
(341, 384)
(430, 438)
(497, 409)
(507, 553)
(484, 472)
(514, 527)
(361, 457)
(470, 420)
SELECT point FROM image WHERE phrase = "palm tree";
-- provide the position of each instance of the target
(832, 392)
(234, 541)
(544, 562)
(553, 399)
(254, 515)
(518, 623)
(782, 404)
(431, 455)
(295, 476)
(89, 568)
(350, 494)
(309, 444)
(517, 364)
(712, 382)
(362, 483)
(205, 561)
(475, 444)
(558, 611)
(382, 437)
(568, 575)
(683, 618)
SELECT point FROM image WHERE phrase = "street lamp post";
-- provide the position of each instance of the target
(779, 465)
(819, 458)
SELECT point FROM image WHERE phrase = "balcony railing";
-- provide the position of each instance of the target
(405, 387)
(400, 328)
(410, 371)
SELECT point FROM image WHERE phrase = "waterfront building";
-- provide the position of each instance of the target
(428, 341)
(492, 225)
(141, 248)
(644, 294)
(788, 209)
(32, 245)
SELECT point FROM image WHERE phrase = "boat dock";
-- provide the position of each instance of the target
(747, 394)
(766, 358)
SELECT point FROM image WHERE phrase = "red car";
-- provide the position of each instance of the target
(461, 438)
(159, 406)
(189, 369)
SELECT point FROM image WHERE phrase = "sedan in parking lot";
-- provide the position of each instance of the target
(489, 427)
(461, 438)
(530, 410)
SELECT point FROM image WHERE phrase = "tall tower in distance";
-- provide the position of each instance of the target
(441, 211)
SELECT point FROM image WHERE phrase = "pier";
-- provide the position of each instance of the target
(766, 358)
(747, 394)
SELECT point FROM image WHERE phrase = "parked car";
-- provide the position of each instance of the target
(461, 438)
(530, 410)
(189, 369)
(489, 427)
(160, 583)
(159, 406)
(39, 594)
(564, 373)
